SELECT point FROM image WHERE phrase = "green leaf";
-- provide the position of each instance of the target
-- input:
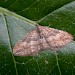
(33, 9)
(62, 18)
(14, 27)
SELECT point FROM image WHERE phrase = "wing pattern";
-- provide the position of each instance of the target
(40, 38)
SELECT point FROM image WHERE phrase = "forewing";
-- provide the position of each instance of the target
(54, 38)
(29, 45)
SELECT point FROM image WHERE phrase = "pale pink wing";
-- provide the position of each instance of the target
(29, 45)
(54, 38)
(41, 38)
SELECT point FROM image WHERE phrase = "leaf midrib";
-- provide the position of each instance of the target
(5, 21)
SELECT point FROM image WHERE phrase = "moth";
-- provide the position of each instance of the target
(41, 38)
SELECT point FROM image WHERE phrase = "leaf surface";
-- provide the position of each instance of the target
(14, 27)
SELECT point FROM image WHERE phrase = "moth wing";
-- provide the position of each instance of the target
(29, 45)
(54, 38)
